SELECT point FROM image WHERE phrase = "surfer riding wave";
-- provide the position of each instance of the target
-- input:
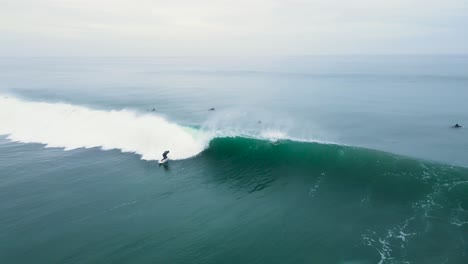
(165, 158)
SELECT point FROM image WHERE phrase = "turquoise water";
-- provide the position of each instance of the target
(305, 160)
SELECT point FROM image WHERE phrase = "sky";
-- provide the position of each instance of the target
(232, 27)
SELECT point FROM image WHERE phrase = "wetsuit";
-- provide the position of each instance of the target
(165, 154)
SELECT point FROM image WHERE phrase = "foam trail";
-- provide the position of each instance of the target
(70, 127)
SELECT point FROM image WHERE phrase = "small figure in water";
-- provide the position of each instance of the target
(457, 126)
(162, 162)
(212, 109)
(165, 154)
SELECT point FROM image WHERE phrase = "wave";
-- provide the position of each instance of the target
(149, 134)
(71, 127)
(377, 175)
(418, 198)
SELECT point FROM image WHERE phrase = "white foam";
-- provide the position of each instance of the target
(273, 135)
(386, 244)
(70, 127)
(147, 134)
(257, 124)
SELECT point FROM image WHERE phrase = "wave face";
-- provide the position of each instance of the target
(394, 206)
(70, 127)
(386, 175)
(381, 175)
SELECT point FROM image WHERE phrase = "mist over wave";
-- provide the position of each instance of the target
(70, 127)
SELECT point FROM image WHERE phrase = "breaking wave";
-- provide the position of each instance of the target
(71, 127)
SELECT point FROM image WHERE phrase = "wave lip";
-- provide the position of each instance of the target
(71, 127)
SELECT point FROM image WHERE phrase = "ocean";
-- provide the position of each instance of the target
(305, 159)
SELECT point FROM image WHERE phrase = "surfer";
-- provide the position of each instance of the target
(165, 154)
(163, 161)
(457, 126)
(212, 109)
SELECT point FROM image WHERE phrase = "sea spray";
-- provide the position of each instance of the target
(70, 127)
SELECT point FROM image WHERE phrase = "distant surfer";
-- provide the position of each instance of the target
(165, 154)
(212, 109)
(457, 126)
(164, 157)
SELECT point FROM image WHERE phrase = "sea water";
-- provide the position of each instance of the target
(306, 159)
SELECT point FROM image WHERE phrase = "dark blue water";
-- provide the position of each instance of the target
(305, 159)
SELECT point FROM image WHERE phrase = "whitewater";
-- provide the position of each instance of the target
(70, 127)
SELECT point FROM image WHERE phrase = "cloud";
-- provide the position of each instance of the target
(182, 27)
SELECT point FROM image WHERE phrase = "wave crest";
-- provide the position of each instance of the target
(70, 127)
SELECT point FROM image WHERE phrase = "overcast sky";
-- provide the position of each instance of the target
(231, 27)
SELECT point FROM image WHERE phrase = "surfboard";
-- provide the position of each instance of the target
(163, 161)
